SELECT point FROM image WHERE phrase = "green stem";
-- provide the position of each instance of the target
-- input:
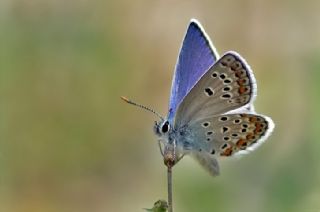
(170, 208)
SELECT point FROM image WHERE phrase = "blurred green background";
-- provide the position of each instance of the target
(69, 144)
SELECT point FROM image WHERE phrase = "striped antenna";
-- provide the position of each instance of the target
(141, 106)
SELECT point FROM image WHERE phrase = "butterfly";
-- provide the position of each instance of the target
(211, 113)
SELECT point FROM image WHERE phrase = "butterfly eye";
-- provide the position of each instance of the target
(165, 127)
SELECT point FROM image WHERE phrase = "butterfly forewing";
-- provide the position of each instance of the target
(197, 55)
(227, 85)
(207, 161)
(228, 134)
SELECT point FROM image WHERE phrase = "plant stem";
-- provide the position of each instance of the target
(170, 208)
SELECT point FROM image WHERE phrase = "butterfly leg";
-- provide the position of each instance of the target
(160, 148)
(180, 157)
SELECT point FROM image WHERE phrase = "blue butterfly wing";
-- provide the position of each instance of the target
(197, 55)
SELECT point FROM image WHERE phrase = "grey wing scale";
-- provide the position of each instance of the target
(229, 134)
(208, 162)
(228, 85)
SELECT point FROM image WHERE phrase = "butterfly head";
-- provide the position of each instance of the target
(162, 128)
(165, 132)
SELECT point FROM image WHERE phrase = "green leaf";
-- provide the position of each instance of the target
(159, 206)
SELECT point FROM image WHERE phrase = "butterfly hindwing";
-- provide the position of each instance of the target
(207, 161)
(229, 134)
(228, 85)
(197, 55)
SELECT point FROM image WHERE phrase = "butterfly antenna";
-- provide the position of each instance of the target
(141, 106)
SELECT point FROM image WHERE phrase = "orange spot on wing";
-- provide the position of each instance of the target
(253, 119)
(258, 130)
(241, 81)
(232, 67)
(238, 74)
(241, 144)
(250, 136)
(259, 126)
(227, 152)
(242, 90)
